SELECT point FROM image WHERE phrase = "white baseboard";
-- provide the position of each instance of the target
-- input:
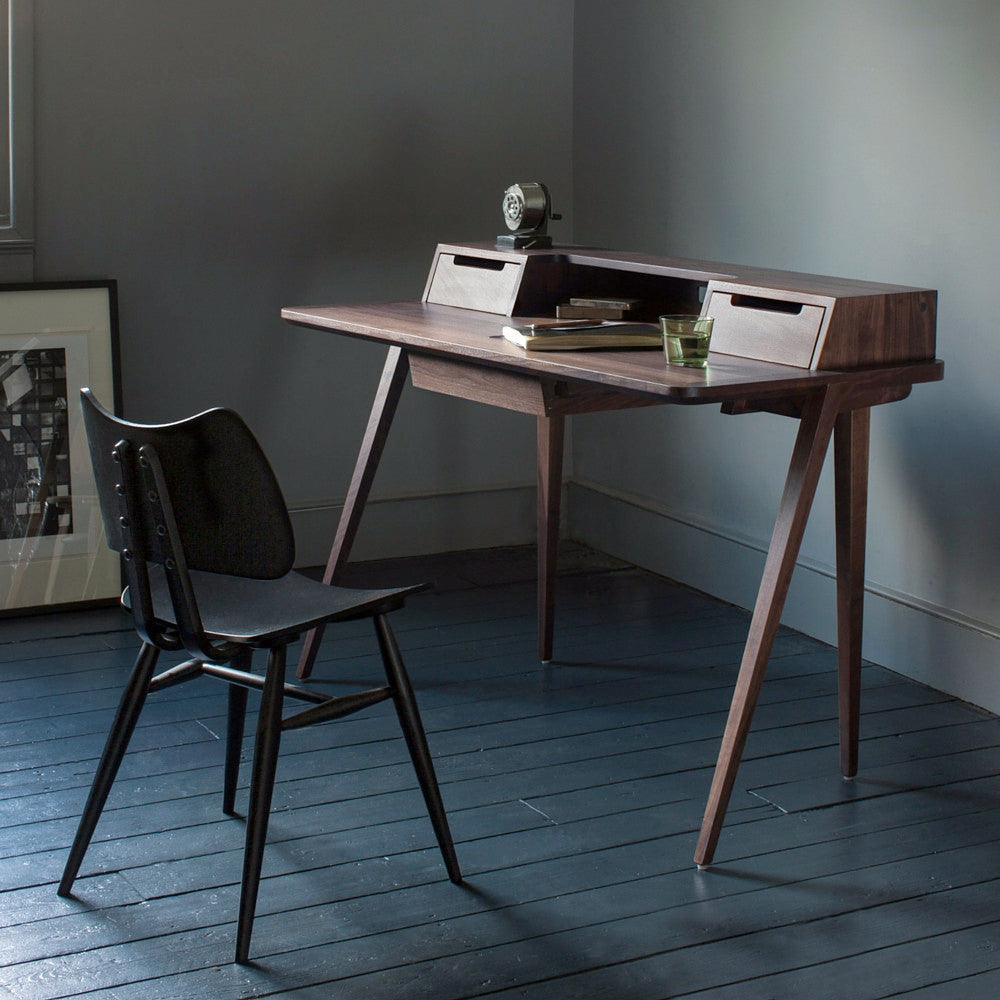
(937, 646)
(421, 525)
(934, 645)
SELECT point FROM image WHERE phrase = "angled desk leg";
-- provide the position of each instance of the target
(397, 366)
(850, 450)
(815, 428)
(551, 433)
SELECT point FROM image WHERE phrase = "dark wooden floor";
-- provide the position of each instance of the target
(574, 791)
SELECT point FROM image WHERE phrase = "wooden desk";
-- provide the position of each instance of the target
(459, 351)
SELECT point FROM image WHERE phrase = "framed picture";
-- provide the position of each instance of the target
(55, 338)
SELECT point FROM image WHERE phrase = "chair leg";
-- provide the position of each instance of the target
(416, 741)
(234, 733)
(265, 760)
(129, 707)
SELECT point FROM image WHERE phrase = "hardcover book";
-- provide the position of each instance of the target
(583, 336)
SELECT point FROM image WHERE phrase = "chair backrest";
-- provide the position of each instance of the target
(198, 494)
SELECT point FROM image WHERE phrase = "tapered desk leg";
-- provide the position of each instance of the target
(850, 449)
(815, 428)
(551, 432)
(397, 367)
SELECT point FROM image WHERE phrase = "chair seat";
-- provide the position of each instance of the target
(262, 612)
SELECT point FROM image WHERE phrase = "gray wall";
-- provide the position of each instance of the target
(847, 138)
(223, 159)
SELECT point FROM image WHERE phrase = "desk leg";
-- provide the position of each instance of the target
(397, 367)
(551, 432)
(815, 428)
(850, 450)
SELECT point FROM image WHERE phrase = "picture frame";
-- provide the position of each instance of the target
(55, 339)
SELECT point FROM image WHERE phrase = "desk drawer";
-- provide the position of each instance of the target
(483, 283)
(765, 323)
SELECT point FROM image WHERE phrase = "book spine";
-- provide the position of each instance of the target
(566, 311)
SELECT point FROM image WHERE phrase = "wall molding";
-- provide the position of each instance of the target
(929, 642)
(408, 524)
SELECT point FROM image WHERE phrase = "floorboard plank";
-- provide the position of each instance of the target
(574, 791)
(978, 986)
(623, 932)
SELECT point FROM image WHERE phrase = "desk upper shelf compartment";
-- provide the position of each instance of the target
(803, 320)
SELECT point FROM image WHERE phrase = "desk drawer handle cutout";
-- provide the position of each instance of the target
(766, 305)
(483, 264)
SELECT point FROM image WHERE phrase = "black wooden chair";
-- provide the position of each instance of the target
(198, 517)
